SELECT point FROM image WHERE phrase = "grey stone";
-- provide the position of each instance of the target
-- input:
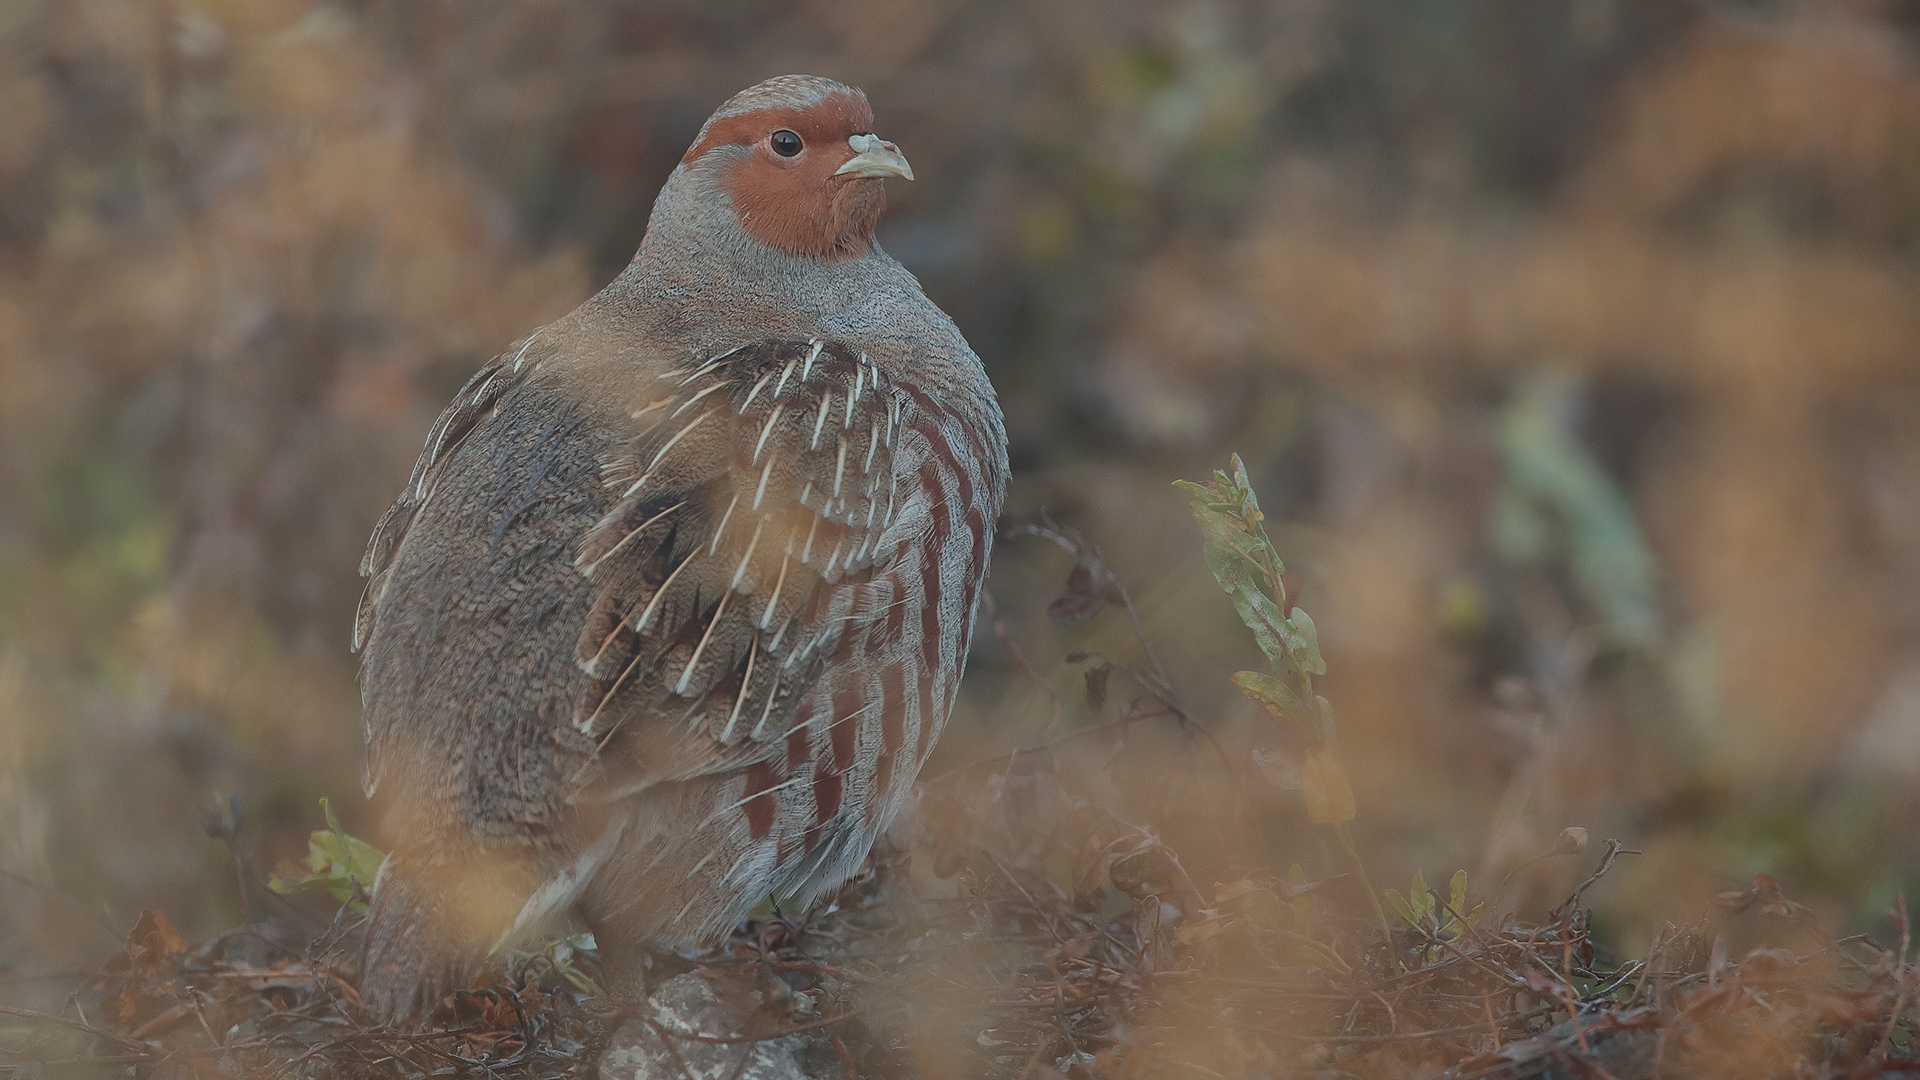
(687, 1005)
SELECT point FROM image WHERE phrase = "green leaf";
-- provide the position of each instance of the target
(1313, 952)
(1279, 699)
(1558, 502)
(359, 859)
(1324, 786)
(1229, 569)
(558, 956)
(1264, 909)
(1261, 615)
(1198, 491)
(1268, 612)
(1237, 543)
(1304, 644)
(1239, 472)
(1421, 897)
(1231, 518)
(344, 865)
(1398, 907)
(1459, 916)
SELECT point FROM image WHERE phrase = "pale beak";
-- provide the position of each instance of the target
(874, 157)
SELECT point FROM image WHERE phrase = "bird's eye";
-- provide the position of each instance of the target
(785, 143)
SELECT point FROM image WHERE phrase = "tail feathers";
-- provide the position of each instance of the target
(433, 920)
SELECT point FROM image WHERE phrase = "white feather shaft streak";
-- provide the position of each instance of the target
(522, 354)
(781, 786)
(658, 403)
(693, 661)
(681, 434)
(561, 890)
(746, 683)
(439, 436)
(714, 545)
(808, 647)
(690, 402)
(807, 371)
(480, 392)
(840, 467)
(873, 443)
(806, 551)
(606, 641)
(754, 862)
(653, 602)
(854, 715)
(755, 392)
(761, 491)
(637, 530)
(772, 419)
(773, 693)
(614, 688)
(859, 372)
(708, 366)
(782, 384)
(779, 582)
(694, 874)
(740, 572)
(820, 422)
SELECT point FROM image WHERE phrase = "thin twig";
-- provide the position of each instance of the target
(1036, 748)
(1614, 850)
(1159, 685)
(1899, 974)
(846, 1059)
(1373, 896)
(1573, 1004)
(67, 903)
(992, 612)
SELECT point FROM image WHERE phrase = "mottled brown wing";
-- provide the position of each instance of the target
(472, 605)
(753, 509)
(475, 401)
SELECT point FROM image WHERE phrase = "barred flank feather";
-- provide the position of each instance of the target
(800, 592)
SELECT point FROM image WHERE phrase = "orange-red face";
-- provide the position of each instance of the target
(811, 183)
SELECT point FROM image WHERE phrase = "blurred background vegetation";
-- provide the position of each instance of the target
(1574, 349)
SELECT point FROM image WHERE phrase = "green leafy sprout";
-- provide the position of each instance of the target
(1422, 911)
(344, 865)
(1249, 569)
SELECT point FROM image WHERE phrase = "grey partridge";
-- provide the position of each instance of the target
(676, 600)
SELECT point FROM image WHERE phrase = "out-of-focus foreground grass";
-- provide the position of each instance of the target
(1574, 349)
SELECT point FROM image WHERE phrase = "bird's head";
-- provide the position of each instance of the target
(798, 158)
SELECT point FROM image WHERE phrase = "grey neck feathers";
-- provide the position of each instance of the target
(697, 260)
(695, 248)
